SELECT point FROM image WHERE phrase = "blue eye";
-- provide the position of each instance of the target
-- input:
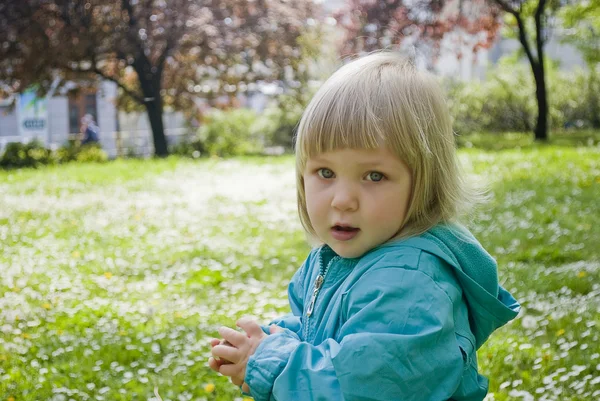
(325, 173)
(375, 176)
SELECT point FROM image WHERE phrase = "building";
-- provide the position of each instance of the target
(120, 133)
(61, 118)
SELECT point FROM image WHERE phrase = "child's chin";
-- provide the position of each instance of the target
(348, 253)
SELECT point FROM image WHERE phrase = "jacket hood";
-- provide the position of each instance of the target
(490, 305)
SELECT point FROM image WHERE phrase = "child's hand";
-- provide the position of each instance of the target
(215, 363)
(239, 352)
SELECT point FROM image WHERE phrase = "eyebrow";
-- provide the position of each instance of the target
(371, 164)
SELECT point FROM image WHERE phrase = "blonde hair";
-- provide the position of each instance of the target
(383, 100)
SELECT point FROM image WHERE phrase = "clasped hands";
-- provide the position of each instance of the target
(230, 355)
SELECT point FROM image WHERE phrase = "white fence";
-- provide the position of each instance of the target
(140, 143)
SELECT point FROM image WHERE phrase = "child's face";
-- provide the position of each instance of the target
(356, 198)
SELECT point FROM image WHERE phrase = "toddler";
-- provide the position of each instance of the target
(396, 297)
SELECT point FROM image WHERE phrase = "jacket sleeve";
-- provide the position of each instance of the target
(397, 343)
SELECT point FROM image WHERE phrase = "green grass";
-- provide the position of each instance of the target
(512, 140)
(115, 276)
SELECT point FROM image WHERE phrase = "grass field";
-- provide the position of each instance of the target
(114, 276)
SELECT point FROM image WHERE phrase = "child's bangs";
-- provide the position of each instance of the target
(341, 119)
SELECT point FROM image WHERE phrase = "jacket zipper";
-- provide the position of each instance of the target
(318, 284)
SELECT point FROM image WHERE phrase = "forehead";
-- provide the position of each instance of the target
(380, 156)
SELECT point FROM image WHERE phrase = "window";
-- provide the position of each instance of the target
(79, 106)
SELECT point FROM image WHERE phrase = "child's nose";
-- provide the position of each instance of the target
(345, 198)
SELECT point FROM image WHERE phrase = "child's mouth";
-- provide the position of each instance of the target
(344, 233)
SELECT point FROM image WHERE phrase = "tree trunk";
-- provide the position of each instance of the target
(594, 96)
(537, 65)
(541, 127)
(155, 111)
(150, 81)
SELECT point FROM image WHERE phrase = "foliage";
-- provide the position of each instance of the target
(35, 154)
(282, 120)
(19, 155)
(238, 132)
(396, 24)
(189, 147)
(91, 153)
(495, 141)
(159, 53)
(373, 25)
(68, 152)
(231, 133)
(73, 151)
(581, 27)
(503, 102)
(113, 285)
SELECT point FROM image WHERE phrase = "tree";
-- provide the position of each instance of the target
(375, 24)
(176, 50)
(520, 10)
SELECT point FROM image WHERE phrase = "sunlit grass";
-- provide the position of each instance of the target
(115, 276)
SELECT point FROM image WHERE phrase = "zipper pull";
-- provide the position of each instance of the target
(313, 299)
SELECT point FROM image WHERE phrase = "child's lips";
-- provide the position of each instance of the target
(344, 233)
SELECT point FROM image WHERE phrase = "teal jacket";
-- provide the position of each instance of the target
(402, 322)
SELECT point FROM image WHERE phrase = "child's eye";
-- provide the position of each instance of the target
(375, 176)
(325, 173)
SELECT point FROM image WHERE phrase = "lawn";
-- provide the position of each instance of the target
(115, 276)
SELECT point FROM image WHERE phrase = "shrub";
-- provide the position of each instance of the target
(34, 154)
(232, 133)
(91, 153)
(505, 101)
(281, 121)
(67, 152)
(72, 151)
(574, 99)
(188, 147)
(19, 155)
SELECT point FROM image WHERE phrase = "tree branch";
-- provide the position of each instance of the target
(504, 5)
(163, 56)
(524, 41)
(128, 91)
(99, 72)
(522, 32)
(125, 5)
(173, 36)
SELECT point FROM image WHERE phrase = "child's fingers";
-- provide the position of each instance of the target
(245, 388)
(236, 338)
(226, 352)
(213, 364)
(230, 370)
(215, 341)
(250, 326)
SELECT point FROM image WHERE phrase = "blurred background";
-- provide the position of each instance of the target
(160, 77)
(147, 179)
